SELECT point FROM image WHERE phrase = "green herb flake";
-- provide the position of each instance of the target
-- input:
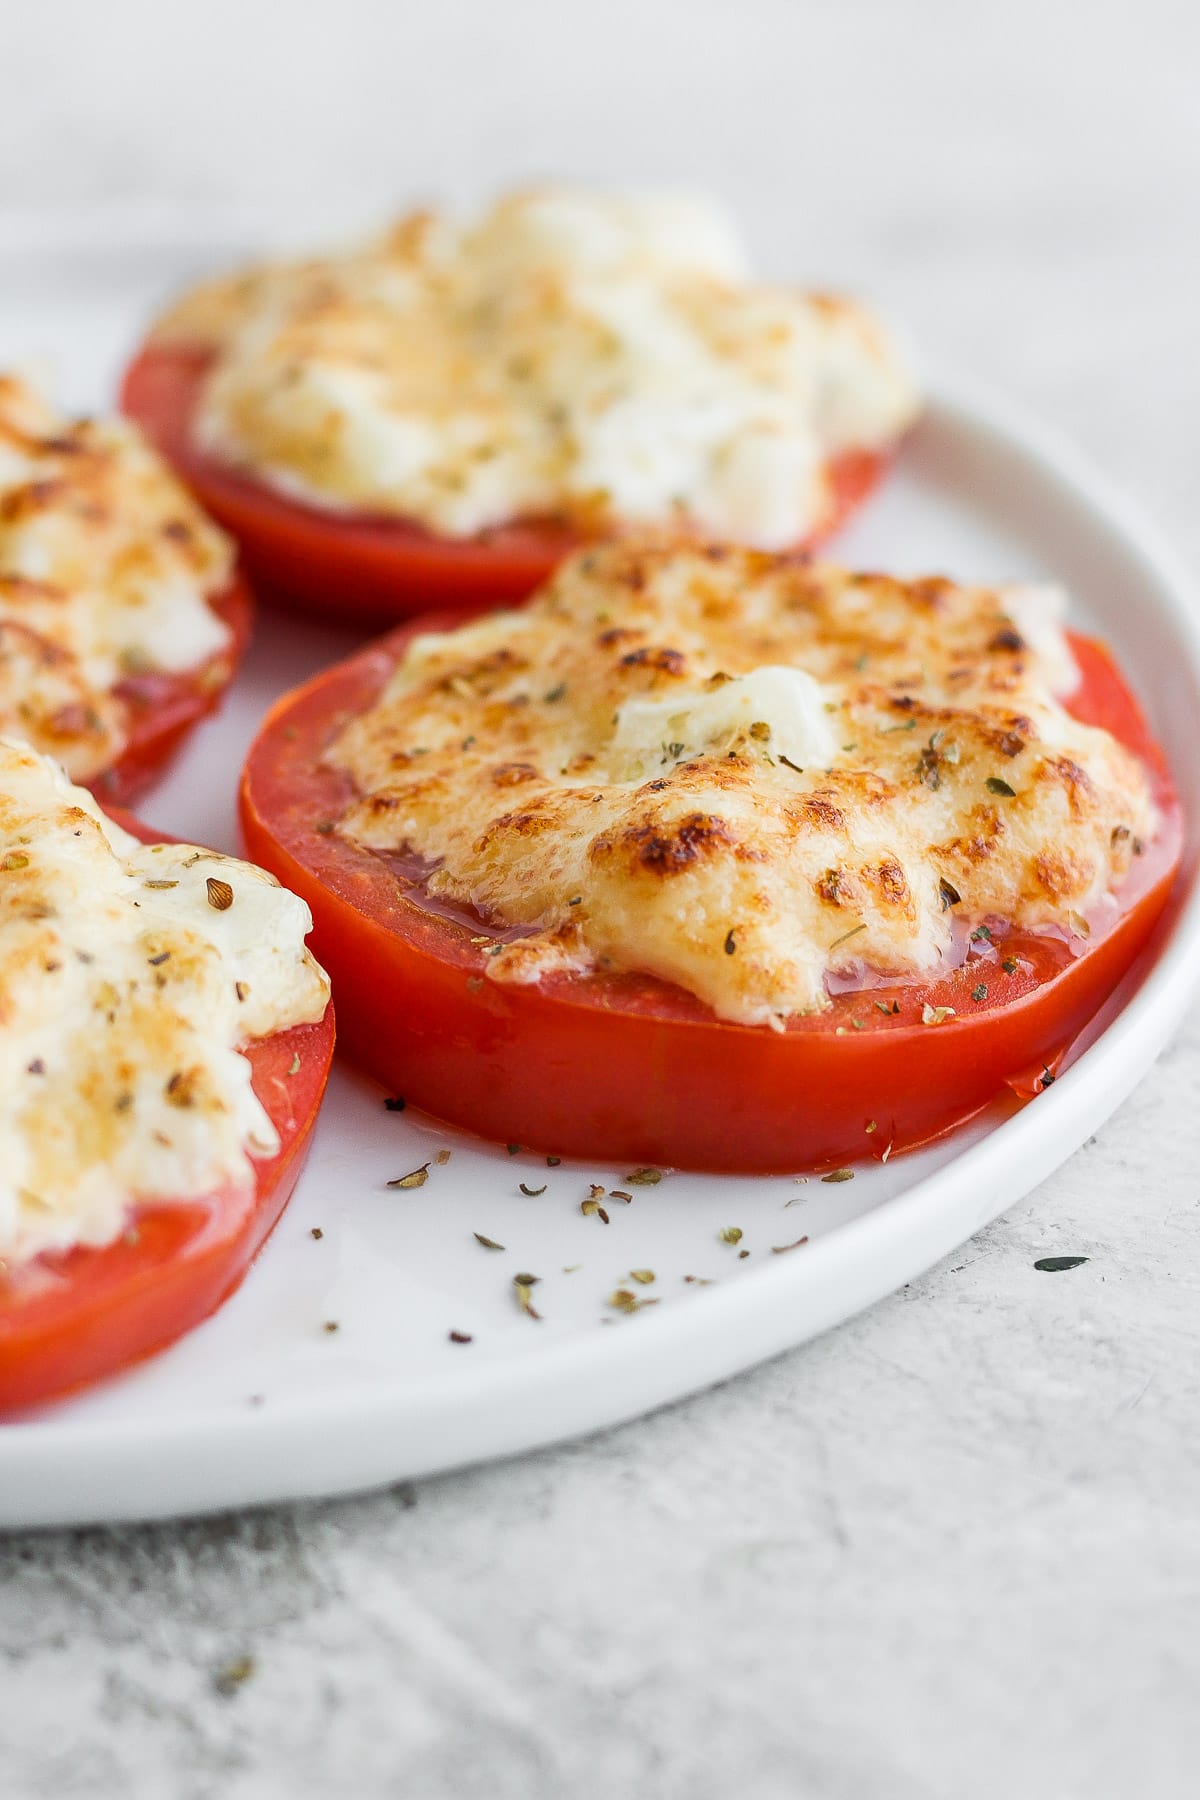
(846, 936)
(996, 785)
(523, 1286)
(592, 1209)
(981, 935)
(316, 1232)
(730, 1234)
(487, 1242)
(294, 1066)
(414, 1179)
(233, 1676)
(730, 943)
(514, 1149)
(839, 1175)
(623, 1300)
(980, 992)
(642, 1276)
(644, 1177)
(1010, 965)
(552, 1162)
(1052, 1264)
(532, 1193)
(871, 1125)
(396, 1103)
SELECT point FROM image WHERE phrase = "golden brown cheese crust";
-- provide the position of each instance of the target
(106, 565)
(581, 771)
(569, 355)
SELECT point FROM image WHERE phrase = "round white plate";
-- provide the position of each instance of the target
(264, 1402)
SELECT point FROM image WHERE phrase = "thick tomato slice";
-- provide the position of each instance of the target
(69, 1318)
(375, 569)
(627, 1068)
(163, 708)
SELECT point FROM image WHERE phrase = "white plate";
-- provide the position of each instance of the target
(263, 1403)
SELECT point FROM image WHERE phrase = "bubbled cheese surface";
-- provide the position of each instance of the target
(125, 993)
(106, 569)
(570, 354)
(745, 774)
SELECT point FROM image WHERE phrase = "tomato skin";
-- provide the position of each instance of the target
(373, 569)
(69, 1318)
(164, 708)
(623, 1068)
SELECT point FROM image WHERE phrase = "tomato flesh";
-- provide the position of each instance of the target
(625, 1067)
(372, 568)
(69, 1318)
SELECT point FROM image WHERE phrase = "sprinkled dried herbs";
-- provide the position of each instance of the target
(996, 785)
(523, 1286)
(552, 1162)
(950, 895)
(642, 1276)
(316, 1232)
(981, 935)
(936, 1015)
(324, 827)
(532, 1192)
(1052, 1264)
(789, 764)
(460, 1337)
(839, 1175)
(330, 1326)
(730, 943)
(1046, 1079)
(871, 1125)
(979, 992)
(780, 1249)
(886, 1006)
(15, 859)
(617, 1194)
(700, 1280)
(487, 1242)
(294, 1065)
(220, 894)
(847, 935)
(160, 884)
(514, 1149)
(644, 1177)
(592, 1209)
(1010, 965)
(396, 1103)
(414, 1179)
(730, 1234)
(624, 1301)
(233, 1675)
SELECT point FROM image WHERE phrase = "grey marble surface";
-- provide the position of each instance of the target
(952, 1549)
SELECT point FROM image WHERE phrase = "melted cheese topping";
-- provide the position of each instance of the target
(105, 568)
(746, 775)
(569, 355)
(124, 994)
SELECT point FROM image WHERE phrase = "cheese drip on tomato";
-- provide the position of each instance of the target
(106, 570)
(747, 775)
(569, 354)
(129, 977)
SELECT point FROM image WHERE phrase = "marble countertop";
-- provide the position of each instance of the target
(952, 1548)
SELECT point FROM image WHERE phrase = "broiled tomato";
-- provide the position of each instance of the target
(162, 708)
(621, 1067)
(371, 568)
(69, 1318)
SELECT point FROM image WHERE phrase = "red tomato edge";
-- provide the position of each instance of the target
(373, 569)
(73, 1318)
(621, 1069)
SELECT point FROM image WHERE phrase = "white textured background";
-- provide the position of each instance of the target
(952, 1550)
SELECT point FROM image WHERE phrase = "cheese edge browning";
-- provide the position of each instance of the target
(937, 762)
(128, 984)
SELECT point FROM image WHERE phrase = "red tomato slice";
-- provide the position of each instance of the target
(69, 1318)
(372, 568)
(625, 1067)
(163, 708)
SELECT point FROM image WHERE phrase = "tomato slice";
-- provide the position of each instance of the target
(68, 1318)
(162, 708)
(623, 1067)
(372, 568)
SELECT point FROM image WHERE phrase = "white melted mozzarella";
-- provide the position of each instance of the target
(779, 705)
(126, 989)
(600, 357)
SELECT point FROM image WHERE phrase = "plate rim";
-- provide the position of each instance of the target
(58, 1472)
